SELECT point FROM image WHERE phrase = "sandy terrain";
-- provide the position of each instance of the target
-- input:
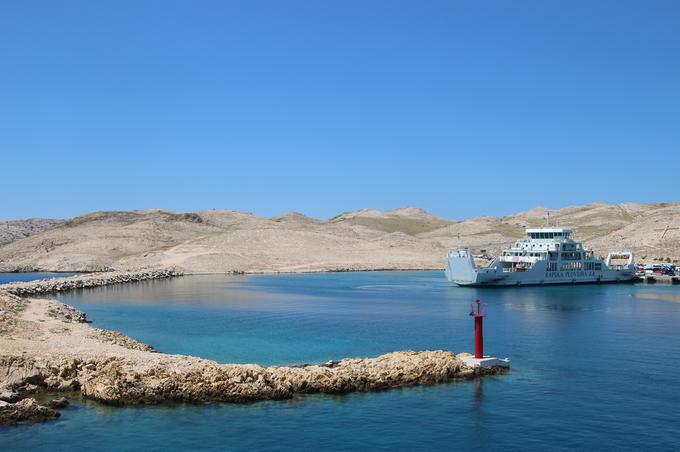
(226, 241)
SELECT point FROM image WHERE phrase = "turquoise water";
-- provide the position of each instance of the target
(592, 366)
(31, 276)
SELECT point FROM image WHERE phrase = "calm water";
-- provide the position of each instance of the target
(592, 366)
(32, 276)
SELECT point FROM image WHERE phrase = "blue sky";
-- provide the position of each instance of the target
(459, 107)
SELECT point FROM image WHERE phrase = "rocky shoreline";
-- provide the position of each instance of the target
(49, 346)
(46, 286)
(118, 380)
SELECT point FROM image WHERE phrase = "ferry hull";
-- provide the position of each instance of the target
(462, 271)
(545, 283)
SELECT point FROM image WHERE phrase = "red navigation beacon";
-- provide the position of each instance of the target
(479, 360)
(479, 335)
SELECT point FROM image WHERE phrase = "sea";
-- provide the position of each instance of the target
(22, 277)
(592, 367)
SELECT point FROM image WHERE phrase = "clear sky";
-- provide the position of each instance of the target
(459, 107)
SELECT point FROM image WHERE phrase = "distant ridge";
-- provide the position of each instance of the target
(535, 212)
(223, 241)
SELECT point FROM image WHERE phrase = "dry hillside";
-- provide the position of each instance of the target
(407, 238)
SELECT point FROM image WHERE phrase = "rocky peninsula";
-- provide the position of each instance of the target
(49, 346)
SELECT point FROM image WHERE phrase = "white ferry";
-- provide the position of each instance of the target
(546, 256)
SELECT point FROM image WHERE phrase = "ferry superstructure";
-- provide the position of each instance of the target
(545, 256)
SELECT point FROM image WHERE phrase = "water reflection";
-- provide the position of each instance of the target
(477, 394)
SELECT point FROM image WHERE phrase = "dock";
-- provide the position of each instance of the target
(658, 279)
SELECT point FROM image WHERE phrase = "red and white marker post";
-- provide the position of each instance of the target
(479, 360)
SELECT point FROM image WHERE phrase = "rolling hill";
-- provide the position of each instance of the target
(222, 241)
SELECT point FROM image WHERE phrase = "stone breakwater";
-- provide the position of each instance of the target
(46, 286)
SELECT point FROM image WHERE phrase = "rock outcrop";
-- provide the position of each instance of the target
(18, 229)
(59, 402)
(114, 337)
(25, 411)
(65, 313)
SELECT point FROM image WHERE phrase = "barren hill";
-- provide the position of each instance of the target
(408, 238)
